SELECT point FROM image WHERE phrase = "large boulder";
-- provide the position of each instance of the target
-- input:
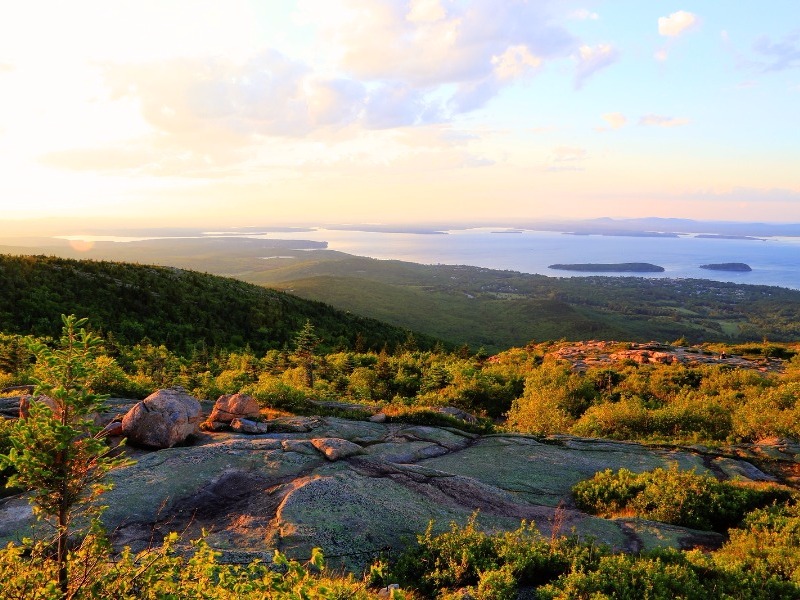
(336, 448)
(163, 419)
(234, 406)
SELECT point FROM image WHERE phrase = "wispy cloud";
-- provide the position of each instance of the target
(677, 23)
(425, 11)
(514, 62)
(592, 59)
(615, 120)
(748, 195)
(781, 55)
(583, 14)
(662, 121)
(569, 154)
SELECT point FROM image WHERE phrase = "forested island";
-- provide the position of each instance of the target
(633, 267)
(732, 266)
(719, 236)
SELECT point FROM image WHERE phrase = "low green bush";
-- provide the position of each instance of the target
(422, 415)
(168, 572)
(278, 395)
(760, 562)
(766, 545)
(665, 574)
(673, 496)
(494, 565)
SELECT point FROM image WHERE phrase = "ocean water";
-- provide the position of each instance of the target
(775, 261)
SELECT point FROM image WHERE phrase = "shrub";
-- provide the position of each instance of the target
(168, 572)
(608, 493)
(672, 496)
(422, 415)
(626, 419)
(274, 393)
(448, 560)
(496, 564)
(767, 544)
(497, 584)
(660, 576)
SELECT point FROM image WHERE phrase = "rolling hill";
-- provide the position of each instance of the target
(172, 306)
(473, 305)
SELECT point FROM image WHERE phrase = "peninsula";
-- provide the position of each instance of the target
(634, 267)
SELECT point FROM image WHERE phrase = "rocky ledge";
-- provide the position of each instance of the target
(359, 488)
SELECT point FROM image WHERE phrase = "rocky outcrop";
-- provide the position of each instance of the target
(163, 419)
(336, 448)
(358, 488)
(603, 354)
(234, 406)
(248, 426)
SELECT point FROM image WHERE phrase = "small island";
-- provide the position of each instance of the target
(609, 267)
(736, 267)
(719, 236)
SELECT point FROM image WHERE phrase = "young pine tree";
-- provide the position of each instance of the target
(306, 342)
(54, 451)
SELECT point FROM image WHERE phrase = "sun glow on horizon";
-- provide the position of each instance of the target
(204, 112)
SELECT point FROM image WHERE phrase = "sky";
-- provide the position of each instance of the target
(236, 112)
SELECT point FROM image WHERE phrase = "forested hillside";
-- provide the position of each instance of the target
(172, 306)
(478, 306)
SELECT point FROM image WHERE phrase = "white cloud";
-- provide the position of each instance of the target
(269, 94)
(662, 121)
(584, 14)
(615, 120)
(398, 104)
(422, 11)
(677, 23)
(593, 59)
(661, 55)
(514, 62)
(428, 43)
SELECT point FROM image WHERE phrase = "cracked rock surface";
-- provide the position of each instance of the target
(355, 488)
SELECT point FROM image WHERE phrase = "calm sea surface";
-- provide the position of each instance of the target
(775, 261)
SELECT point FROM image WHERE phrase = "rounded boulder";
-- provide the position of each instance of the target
(163, 419)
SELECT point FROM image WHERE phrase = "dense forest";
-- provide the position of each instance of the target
(172, 306)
